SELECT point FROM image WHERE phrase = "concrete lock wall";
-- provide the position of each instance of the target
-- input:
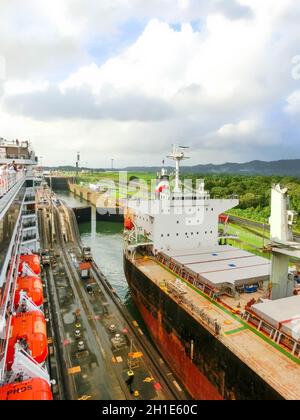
(59, 183)
(104, 212)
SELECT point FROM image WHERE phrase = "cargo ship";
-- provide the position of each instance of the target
(24, 373)
(225, 320)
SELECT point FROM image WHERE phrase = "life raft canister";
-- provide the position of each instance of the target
(32, 286)
(30, 327)
(35, 389)
(33, 261)
(128, 223)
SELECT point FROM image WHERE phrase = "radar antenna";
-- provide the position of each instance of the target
(178, 154)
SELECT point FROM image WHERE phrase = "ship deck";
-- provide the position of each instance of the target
(269, 360)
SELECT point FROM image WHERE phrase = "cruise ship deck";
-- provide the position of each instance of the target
(263, 355)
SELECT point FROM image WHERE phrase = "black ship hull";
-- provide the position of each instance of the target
(207, 368)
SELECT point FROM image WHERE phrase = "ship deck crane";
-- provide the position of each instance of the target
(282, 244)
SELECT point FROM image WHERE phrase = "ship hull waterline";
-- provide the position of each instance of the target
(207, 368)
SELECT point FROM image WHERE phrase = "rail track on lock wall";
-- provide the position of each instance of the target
(159, 368)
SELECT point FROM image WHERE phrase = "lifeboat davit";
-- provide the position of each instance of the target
(35, 389)
(128, 223)
(33, 287)
(29, 327)
(33, 261)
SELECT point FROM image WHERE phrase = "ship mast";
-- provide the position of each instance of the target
(178, 155)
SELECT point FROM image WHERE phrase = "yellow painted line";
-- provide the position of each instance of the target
(136, 355)
(75, 369)
(85, 397)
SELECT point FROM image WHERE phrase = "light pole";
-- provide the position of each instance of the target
(77, 163)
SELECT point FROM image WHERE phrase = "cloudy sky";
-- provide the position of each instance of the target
(125, 79)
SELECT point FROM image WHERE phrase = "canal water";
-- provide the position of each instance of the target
(106, 242)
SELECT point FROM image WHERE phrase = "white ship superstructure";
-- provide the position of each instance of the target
(188, 283)
(23, 338)
(181, 218)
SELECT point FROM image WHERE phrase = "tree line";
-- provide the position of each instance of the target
(254, 192)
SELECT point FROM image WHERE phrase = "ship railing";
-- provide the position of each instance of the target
(279, 337)
(178, 291)
(8, 295)
(29, 225)
(16, 143)
(179, 270)
(9, 180)
(9, 290)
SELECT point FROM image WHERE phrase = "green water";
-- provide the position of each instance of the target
(106, 242)
(107, 246)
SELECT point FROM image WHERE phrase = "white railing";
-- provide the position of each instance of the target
(7, 181)
(8, 294)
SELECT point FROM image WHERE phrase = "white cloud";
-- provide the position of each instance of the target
(293, 103)
(210, 87)
(243, 134)
(184, 4)
(241, 129)
(19, 87)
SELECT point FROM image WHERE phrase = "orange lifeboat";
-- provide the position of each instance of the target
(33, 261)
(128, 223)
(32, 286)
(29, 328)
(35, 389)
